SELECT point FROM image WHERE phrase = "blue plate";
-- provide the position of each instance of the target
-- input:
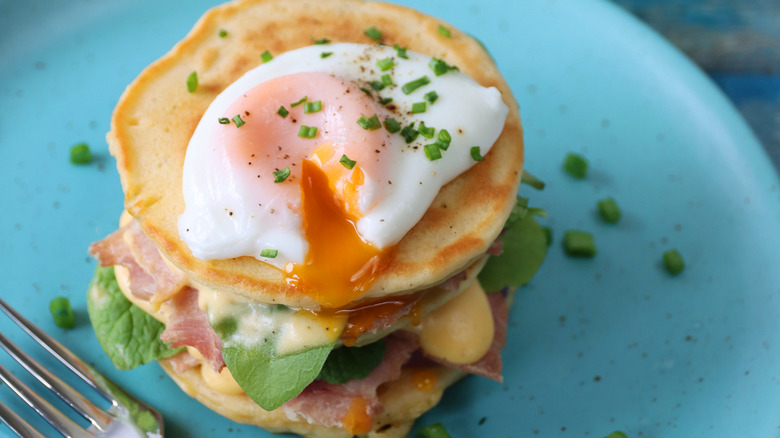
(595, 345)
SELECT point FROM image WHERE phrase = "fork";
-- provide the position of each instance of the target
(126, 417)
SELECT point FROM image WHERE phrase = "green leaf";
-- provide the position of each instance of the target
(525, 247)
(271, 380)
(352, 363)
(129, 336)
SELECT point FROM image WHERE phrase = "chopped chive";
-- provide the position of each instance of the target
(440, 67)
(322, 41)
(408, 87)
(392, 125)
(401, 51)
(531, 180)
(80, 154)
(237, 120)
(373, 33)
(409, 133)
(282, 111)
(432, 151)
(281, 175)
(62, 313)
(365, 90)
(444, 139)
(576, 166)
(269, 253)
(435, 430)
(294, 104)
(307, 131)
(346, 162)
(371, 123)
(385, 64)
(617, 434)
(609, 210)
(376, 85)
(578, 244)
(386, 80)
(431, 97)
(673, 262)
(426, 131)
(223, 33)
(385, 100)
(223, 120)
(312, 107)
(443, 31)
(266, 56)
(476, 155)
(192, 82)
(324, 55)
(548, 235)
(419, 107)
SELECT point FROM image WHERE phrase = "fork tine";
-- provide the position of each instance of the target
(17, 424)
(55, 348)
(89, 411)
(55, 418)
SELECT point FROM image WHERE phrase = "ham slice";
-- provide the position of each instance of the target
(333, 405)
(188, 326)
(151, 278)
(182, 361)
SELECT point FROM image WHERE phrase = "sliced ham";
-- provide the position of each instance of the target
(333, 405)
(182, 361)
(113, 250)
(490, 364)
(188, 326)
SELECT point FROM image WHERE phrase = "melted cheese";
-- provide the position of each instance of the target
(220, 381)
(461, 330)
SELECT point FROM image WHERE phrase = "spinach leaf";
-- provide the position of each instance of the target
(525, 247)
(352, 363)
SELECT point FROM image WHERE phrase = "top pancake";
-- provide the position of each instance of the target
(156, 116)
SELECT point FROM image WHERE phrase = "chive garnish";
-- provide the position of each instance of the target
(432, 151)
(426, 131)
(386, 79)
(62, 313)
(444, 139)
(371, 123)
(373, 33)
(223, 33)
(312, 107)
(408, 87)
(579, 244)
(609, 210)
(435, 430)
(282, 111)
(431, 97)
(419, 107)
(294, 104)
(192, 82)
(365, 90)
(527, 178)
(324, 55)
(409, 133)
(673, 262)
(476, 155)
(443, 31)
(376, 85)
(281, 175)
(307, 131)
(576, 166)
(322, 41)
(385, 100)
(385, 64)
(266, 56)
(440, 67)
(80, 154)
(237, 120)
(269, 253)
(346, 162)
(223, 120)
(392, 125)
(401, 51)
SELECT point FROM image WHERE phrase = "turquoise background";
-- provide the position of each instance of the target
(610, 343)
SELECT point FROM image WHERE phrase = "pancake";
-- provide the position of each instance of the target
(156, 116)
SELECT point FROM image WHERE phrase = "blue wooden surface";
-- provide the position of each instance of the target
(737, 43)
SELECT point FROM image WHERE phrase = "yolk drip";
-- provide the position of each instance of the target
(357, 420)
(339, 266)
(424, 379)
(361, 319)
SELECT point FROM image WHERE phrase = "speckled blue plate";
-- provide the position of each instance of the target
(609, 343)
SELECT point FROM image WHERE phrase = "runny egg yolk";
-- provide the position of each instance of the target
(329, 194)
